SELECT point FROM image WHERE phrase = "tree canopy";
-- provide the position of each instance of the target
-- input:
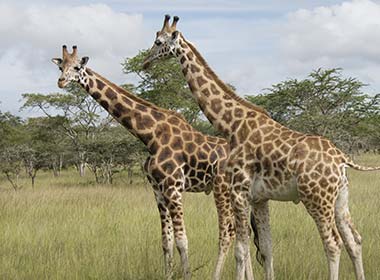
(164, 85)
(75, 131)
(325, 103)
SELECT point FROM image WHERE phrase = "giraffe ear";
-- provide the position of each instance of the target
(84, 60)
(57, 61)
(175, 35)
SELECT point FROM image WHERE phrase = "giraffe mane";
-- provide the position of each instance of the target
(136, 98)
(222, 85)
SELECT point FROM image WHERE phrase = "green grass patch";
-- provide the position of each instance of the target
(70, 228)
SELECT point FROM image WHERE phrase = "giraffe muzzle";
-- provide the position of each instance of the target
(61, 83)
(146, 63)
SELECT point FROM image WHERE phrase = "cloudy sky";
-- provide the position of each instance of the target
(250, 44)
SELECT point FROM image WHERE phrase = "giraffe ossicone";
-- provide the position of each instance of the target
(181, 158)
(269, 161)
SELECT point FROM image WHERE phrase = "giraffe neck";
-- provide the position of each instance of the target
(137, 115)
(221, 105)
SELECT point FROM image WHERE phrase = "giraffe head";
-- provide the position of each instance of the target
(70, 65)
(166, 42)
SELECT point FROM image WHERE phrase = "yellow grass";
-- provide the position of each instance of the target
(69, 229)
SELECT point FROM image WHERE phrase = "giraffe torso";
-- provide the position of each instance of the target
(191, 159)
(280, 159)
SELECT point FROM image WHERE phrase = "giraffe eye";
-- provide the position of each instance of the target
(60, 68)
(76, 68)
(158, 42)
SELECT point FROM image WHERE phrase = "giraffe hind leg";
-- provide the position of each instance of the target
(248, 267)
(226, 223)
(259, 256)
(261, 214)
(324, 218)
(350, 236)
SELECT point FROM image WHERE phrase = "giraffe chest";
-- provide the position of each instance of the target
(264, 188)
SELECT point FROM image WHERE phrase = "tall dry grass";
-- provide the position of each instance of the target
(68, 228)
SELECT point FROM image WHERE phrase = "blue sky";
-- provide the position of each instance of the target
(250, 44)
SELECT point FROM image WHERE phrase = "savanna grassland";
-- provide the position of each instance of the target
(68, 228)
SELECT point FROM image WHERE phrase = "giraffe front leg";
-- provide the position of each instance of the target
(240, 204)
(248, 266)
(225, 220)
(167, 235)
(176, 214)
(260, 212)
(351, 238)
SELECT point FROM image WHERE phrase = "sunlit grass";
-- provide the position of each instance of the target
(68, 228)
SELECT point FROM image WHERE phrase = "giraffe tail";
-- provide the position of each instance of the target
(259, 257)
(355, 166)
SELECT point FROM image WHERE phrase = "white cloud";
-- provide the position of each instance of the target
(345, 35)
(240, 50)
(265, 52)
(253, 46)
(32, 35)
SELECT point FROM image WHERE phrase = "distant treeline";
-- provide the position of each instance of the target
(75, 131)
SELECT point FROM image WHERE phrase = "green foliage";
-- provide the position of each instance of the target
(111, 151)
(11, 165)
(11, 144)
(76, 109)
(371, 129)
(205, 127)
(77, 117)
(45, 148)
(164, 85)
(10, 129)
(325, 104)
(78, 131)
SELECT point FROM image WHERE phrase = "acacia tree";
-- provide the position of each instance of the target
(10, 145)
(325, 104)
(369, 131)
(78, 115)
(48, 137)
(33, 159)
(42, 147)
(11, 165)
(114, 150)
(164, 85)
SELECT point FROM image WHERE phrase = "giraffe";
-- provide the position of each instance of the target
(269, 161)
(181, 159)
